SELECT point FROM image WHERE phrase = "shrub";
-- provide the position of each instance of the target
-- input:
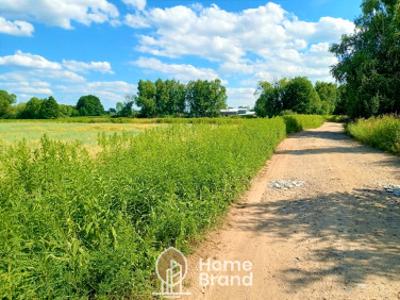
(295, 123)
(380, 132)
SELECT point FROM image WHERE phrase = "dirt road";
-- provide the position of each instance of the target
(336, 237)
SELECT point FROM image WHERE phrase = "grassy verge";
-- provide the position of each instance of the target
(382, 132)
(73, 225)
(295, 123)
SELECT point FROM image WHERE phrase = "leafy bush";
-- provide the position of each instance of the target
(77, 226)
(295, 123)
(90, 106)
(380, 132)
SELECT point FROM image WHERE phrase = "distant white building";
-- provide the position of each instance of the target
(239, 111)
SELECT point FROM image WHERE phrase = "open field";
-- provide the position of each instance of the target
(83, 226)
(87, 134)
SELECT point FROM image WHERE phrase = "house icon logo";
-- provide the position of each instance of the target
(171, 269)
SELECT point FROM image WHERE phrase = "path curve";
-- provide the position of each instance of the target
(337, 237)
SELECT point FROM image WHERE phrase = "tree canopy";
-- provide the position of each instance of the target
(172, 98)
(49, 109)
(369, 60)
(297, 95)
(205, 98)
(6, 100)
(90, 106)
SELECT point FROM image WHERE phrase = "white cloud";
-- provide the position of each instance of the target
(34, 75)
(80, 66)
(30, 87)
(261, 43)
(18, 28)
(60, 12)
(28, 60)
(184, 72)
(137, 4)
(243, 96)
(67, 68)
(245, 41)
(136, 20)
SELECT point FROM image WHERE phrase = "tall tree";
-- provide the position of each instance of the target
(328, 93)
(369, 60)
(300, 96)
(32, 109)
(146, 98)
(176, 97)
(269, 102)
(6, 100)
(90, 106)
(49, 109)
(205, 98)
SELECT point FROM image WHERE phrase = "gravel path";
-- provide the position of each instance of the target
(319, 222)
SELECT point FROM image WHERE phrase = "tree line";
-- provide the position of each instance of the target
(199, 98)
(48, 108)
(297, 95)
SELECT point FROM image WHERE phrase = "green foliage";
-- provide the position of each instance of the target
(32, 109)
(269, 102)
(205, 98)
(49, 109)
(328, 93)
(300, 96)
(380, 132)
(75, 226)
(89, 106)
(296, 123)
(125, 109)
(6, 100)
(369, 61)
(68, 111)
(296, 95)
(200, 98)
(162, 98)
(146, 98)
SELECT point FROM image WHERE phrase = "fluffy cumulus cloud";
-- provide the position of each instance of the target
(30, 75)
(184, 72)
(59, 12)
(262, 43)
(21, 59)
(18, 28)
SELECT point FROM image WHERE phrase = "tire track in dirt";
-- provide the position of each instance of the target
(337, 237)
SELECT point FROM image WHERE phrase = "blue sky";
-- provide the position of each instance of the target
(70, 48)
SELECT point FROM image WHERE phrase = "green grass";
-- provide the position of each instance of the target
(382, 132)
(75, 225)
(32, 131)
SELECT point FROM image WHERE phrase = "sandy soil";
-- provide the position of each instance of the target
(337, 237)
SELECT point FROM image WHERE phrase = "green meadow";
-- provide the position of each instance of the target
(85, 133)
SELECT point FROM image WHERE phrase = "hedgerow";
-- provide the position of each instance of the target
(295, 123)
(380, 132)
(77, 226)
